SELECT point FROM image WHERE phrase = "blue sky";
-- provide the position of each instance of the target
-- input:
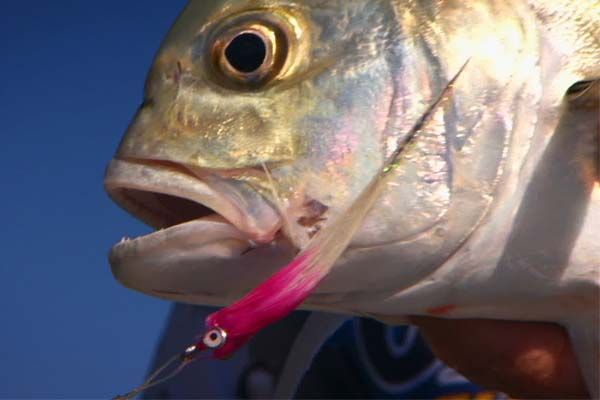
(72, 74)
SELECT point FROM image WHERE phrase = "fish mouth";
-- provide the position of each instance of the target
(208, 227)
(165, 195)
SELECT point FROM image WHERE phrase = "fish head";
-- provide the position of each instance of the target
(305, 103)
(264, 120)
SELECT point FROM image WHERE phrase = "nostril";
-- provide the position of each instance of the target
(178, 71)
(171, 72)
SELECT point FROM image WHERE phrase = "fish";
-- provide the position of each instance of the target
(378, 158)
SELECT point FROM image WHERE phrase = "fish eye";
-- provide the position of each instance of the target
(249, 54)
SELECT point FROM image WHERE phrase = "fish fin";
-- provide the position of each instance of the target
(584, 331)
(316, 330)
(590, 97)
(585, 95)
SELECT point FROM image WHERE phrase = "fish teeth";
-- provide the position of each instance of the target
(125, 239)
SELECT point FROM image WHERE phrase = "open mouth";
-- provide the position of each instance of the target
(215, 238)
(180, 205)
(159, 210)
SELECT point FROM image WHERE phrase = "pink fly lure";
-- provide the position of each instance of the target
(231, 327)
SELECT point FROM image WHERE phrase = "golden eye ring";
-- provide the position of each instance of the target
(249, 55)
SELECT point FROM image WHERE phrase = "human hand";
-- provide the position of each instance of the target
(521, 359)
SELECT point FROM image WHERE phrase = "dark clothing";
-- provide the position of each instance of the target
(363, 359)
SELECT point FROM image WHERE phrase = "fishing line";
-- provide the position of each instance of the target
(186, 357)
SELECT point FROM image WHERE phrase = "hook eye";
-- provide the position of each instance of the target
(215, 338)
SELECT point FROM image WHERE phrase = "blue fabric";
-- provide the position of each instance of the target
(384, 362)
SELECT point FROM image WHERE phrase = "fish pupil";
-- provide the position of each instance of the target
(246, 52)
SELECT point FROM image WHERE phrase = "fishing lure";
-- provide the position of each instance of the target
(230, 328)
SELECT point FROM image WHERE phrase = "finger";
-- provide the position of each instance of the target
(522, 359)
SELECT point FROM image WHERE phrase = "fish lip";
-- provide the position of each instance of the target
(230, 242)
(160, 178)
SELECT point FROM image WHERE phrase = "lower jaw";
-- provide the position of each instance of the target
(214, 266)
